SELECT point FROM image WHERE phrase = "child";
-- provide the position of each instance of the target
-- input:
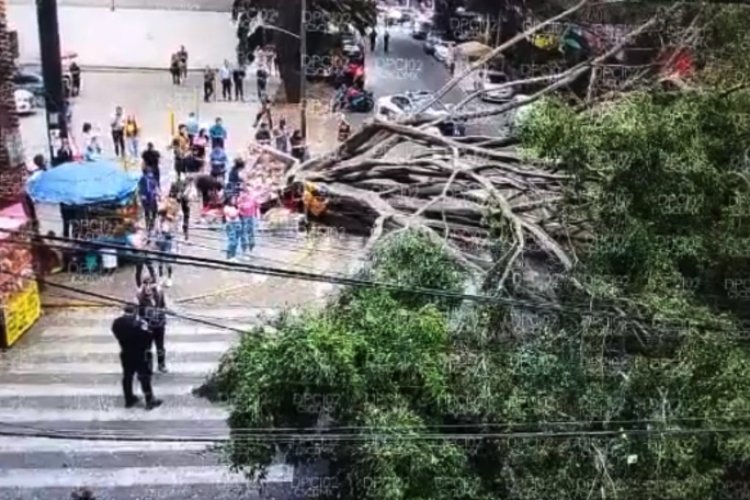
(165, 241)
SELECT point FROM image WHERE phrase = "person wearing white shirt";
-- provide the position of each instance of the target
(225, 75)
(117, 124)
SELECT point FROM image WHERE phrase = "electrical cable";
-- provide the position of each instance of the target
(270, 271)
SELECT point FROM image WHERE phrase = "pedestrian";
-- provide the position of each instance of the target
(265, 110)
(345, 129)
(233, 226)
(179, 195)
(182, 56)
(174, 69)
(261, 81)
(192, 126)
(209, 188)
(373, 39)
(91, 147)
(165, 243)
(131, 132)
(180, 149)
(148, 190)
(135, 339)
(281, 136)
(152, 159)
(218, 163)
(225, 74)
(249, 211)
(386, 39)
(209, 80)
(238, 77)
(152, 308)
(234, 180)
(200, 143)
(299, 149)
(64, 153)
(218, 134)
(75, 76)
(138, 240)
(117, 125)
(263, 135)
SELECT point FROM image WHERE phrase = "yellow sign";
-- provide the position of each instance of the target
(20, 313)
(545, 41)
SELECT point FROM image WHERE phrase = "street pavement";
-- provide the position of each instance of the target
(63, 380)
(131, 38)
(406, 67)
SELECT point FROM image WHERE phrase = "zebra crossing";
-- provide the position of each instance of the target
(63, 424)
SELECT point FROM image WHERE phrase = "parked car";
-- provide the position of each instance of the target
(490, 83)
(31, 82)
(421, 29)
(432, 39)
(25, 102)
(397, 106)
(444, 51)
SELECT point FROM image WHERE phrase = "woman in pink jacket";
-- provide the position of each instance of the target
(249, 209)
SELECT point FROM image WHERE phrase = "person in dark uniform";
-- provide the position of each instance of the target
(152, 310)
(134, 338)
(386, 40)
(75, 75)
(373, 39)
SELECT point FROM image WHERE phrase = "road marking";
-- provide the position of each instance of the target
(100, 368)
(123, 477)
(190, 415)
(47, 445)
(81, 348)
(67, 390)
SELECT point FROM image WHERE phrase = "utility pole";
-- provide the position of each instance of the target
(302, 69)
(49, 44)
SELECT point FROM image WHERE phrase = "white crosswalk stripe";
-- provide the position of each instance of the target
(62, 382)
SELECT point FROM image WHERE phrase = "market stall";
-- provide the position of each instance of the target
(19, 296)
(98, 202)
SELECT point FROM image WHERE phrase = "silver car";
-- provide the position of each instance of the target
(490, 83)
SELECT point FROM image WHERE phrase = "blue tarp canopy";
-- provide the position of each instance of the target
(83, 183)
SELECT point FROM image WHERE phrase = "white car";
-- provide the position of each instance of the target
(24, 102)
(444, 51)
(490, 83)
(397, 106)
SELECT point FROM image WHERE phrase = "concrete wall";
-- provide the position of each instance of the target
(131, 38)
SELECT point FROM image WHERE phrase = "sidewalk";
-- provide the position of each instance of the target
(130, 37)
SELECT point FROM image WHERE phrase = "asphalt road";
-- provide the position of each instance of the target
(407, 67)
(202, 5)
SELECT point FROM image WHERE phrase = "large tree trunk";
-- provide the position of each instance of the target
(288, 49)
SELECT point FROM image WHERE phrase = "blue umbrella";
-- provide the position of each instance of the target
(83, 183)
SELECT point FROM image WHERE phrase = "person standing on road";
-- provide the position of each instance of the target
(117, 125)
(135, 340)
(238, 77)
(131, 132)
(345, 129)
(165, 242)
(218, 163)
(262, 81)
(373, 39)
(152, 307)
(139, 241)
(234, 180)
(148, 190)
(386, 39)
(299, 149)
(174, 69)
(233, 227)
(281, 137)
(192, 127)
(75, 76)
(249, 210)
(225, 74)
(265, 110)
(179, 195)
(182, 56)
(209, 80)
(218, 134)
(151, 159)
(180, 148)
